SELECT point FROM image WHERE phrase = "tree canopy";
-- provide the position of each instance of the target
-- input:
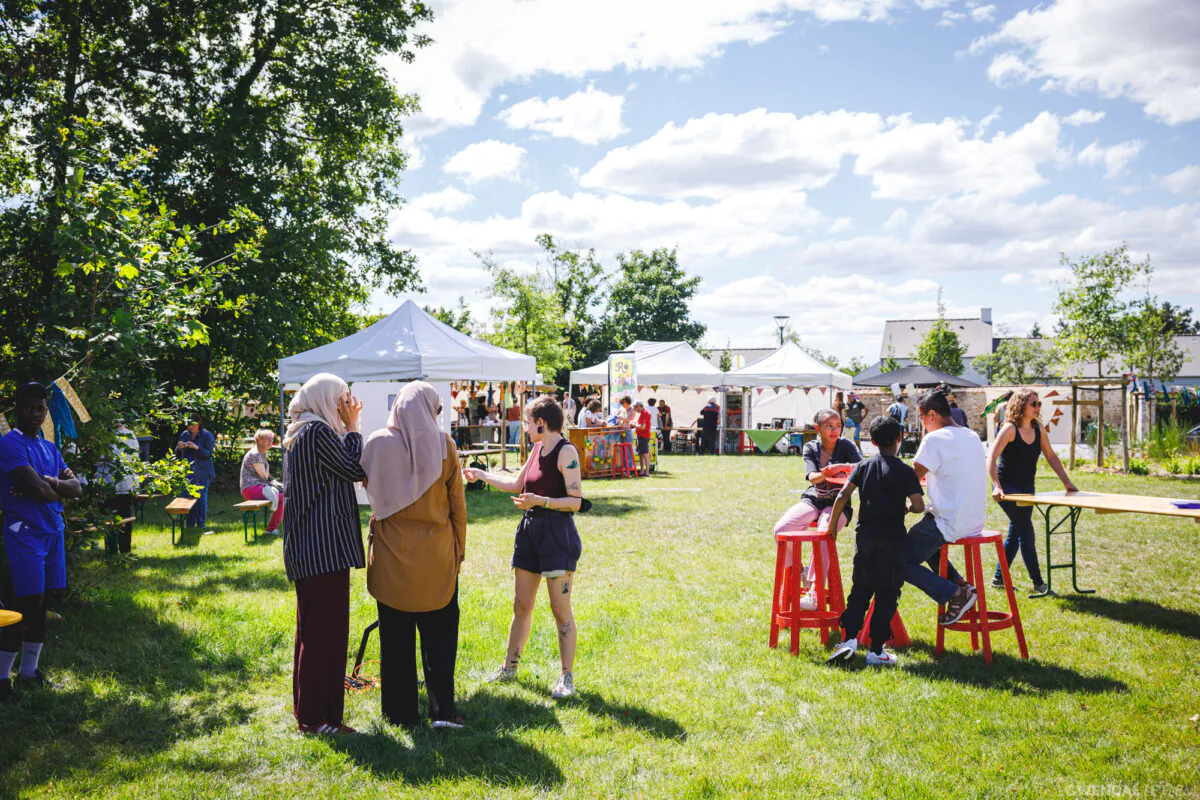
(941, 348)
(1091, 308)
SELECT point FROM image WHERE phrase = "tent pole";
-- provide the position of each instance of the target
(282, 430)
(504, 430)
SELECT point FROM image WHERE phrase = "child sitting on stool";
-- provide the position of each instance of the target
(890, 488)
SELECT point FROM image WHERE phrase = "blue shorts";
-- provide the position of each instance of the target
(35, 558)
(546, 542)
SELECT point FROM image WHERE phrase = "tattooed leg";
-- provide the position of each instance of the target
(564, 618)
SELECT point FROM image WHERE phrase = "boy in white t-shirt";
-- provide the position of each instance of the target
(652, 409)
(952, 461)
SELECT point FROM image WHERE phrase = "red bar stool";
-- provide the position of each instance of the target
(900, 637)
(785, 599)
(623, 465)
(980, 622)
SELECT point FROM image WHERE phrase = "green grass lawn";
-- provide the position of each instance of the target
(177, 670)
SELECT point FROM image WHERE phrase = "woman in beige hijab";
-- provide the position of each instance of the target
(417, 542)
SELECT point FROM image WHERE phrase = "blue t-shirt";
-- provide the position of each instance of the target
(19, 450)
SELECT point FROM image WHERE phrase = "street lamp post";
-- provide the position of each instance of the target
(781, 321)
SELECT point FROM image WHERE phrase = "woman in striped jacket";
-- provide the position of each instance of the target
(322, 543)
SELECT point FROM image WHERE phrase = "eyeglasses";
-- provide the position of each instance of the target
(1036, 403)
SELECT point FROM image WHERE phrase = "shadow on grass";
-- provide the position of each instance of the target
(491, 505)
(160, 574)
(1140, 613)
(484, 750)
(1008, 673)
(631, 716)
(138, 685)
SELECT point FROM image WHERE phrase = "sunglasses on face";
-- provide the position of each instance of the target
(1035, 403)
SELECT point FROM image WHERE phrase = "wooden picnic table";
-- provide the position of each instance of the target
(1075, 503)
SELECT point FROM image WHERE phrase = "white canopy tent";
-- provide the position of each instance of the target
(658, 364)
(811, 384)
(406, 345)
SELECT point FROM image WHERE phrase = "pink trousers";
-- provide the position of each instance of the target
(267, 493)
(797, 519)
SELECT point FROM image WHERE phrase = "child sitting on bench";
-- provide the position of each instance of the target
(890, 489)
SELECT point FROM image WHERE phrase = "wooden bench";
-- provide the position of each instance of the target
(139, 506)
(249, 509)
(177, 508)
(110, 536)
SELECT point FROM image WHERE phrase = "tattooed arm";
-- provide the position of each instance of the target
(568, 465)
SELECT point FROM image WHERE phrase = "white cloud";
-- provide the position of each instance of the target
(590, 116)
(1083, 117)
(897, 220)
(987, 122)
(918, 161)
(841, 225)
(415, 156)
(484, 160)
(447, 200)
(713, 155)
(950, 18)
(1144, 50)
(1114, 158)
(983, 13)
(1012, 278)
(481, 45)
(1184, 180)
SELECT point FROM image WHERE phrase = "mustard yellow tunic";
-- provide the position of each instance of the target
(414, 555)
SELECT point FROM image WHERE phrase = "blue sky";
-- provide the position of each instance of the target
(832, 160)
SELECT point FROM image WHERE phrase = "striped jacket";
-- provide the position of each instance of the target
(322, 532)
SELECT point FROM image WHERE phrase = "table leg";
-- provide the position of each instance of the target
(1071, 517)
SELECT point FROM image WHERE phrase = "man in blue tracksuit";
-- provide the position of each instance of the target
(196, 446)
(34, 481)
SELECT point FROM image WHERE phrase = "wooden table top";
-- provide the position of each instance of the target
(1107, 503)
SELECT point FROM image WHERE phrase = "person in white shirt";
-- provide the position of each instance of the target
(652, 409)
(952, 461)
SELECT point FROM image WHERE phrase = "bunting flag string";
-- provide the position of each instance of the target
(68, 391)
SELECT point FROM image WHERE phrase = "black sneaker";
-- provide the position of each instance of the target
(39, 681)
(7, 695)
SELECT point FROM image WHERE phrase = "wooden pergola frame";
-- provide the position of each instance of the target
(1098, 385)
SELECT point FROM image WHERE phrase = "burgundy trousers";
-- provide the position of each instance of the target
(322, 637)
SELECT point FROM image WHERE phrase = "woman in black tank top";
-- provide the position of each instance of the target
(549, 490)
(1012, 463)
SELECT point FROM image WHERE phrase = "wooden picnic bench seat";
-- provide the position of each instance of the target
(179, 507)
(250, 509)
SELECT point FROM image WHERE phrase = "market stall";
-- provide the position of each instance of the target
(786, 389)
(659, 365)
(406, 345)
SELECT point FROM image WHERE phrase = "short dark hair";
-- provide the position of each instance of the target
(195, 418)
(546, 409)
(934, 400)
(885, 431)
(31, 391)
(626, 399)
(651, 401)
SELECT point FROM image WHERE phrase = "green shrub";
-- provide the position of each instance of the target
(1174, 466)
(1192, 466)
(1169, 438)
(1138, 467)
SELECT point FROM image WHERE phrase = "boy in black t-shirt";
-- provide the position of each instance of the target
(890, 488)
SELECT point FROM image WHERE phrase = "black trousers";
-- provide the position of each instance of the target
(398, 661)
(878, 573)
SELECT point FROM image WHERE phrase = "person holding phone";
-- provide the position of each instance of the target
(322, 542)
(196, 446)
(549, 490)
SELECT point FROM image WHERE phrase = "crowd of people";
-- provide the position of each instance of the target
(418, 527)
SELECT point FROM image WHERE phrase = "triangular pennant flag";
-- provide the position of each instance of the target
(760, 390)
(3, 425)
(791, 389)
(654, 388)
(1052, 393)
(806, 392)
(822, 388)
(69, 392)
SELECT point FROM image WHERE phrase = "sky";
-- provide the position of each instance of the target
(834, 161)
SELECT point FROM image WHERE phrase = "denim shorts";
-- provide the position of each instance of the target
(546, 541)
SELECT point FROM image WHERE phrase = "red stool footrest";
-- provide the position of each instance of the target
(979, 621)
(624, 465)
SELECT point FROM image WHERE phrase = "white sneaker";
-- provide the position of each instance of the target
(502, 675)
(809, 602)
(844, 653)
(884, 659)
(565, 687)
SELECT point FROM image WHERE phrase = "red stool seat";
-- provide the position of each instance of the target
(623, 465)
(979, 621)
(785, 599)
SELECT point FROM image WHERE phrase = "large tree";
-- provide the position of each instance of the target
(650, 299)
(1091, 309)
(1149, 347)
(285, 109)
(529, 320)
(1016, 362)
